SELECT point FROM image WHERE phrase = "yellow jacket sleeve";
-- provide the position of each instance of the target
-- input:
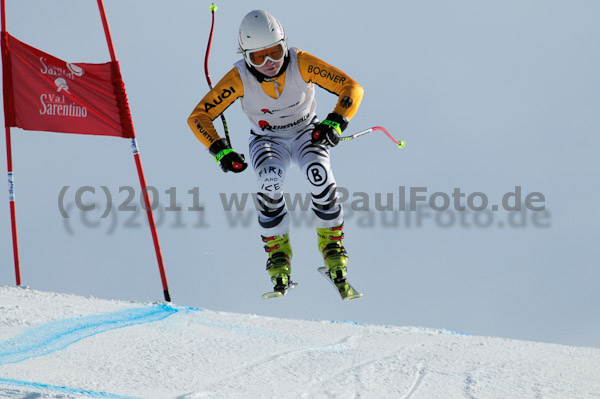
(214, 103)
(350, 93)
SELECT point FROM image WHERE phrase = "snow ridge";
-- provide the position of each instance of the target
(66, 346)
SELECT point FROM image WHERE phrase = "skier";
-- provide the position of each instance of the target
(275, 85)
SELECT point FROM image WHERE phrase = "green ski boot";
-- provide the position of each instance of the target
(279, 264)
(334, 253)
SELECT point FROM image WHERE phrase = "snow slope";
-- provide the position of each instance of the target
(65, 346)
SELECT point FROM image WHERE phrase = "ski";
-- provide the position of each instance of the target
(278, 293)
(344, 288)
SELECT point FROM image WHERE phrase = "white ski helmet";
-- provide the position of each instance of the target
(259, 30)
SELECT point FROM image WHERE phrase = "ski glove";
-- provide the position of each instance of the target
(328, 132)
(229, 160)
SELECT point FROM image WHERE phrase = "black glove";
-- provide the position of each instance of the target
(229, 160)
(328, 132)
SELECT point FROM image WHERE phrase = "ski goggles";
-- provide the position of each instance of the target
(259, 57)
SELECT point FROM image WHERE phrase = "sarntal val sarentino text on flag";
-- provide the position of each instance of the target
(45, 93)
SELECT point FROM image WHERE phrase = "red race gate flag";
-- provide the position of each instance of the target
(42, 92)
(45, 93)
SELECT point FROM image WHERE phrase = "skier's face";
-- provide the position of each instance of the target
(271, 68)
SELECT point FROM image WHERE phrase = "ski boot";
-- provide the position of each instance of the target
(334, 253)
(279, 263)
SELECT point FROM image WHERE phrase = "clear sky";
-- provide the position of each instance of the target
(488, 96)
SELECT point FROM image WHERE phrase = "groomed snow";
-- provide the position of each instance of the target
(66, 346)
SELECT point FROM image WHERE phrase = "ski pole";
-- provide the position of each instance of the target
(212, 9)
(400, 143)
